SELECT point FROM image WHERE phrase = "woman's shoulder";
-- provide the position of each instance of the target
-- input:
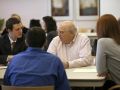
(106, 41)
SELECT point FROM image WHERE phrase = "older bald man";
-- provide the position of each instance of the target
(72, 48)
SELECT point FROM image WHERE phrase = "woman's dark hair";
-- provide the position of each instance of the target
(50, 23)
(36, 37)
(34, 23)
(119, 22)
(107, 27)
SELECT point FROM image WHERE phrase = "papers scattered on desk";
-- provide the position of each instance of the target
(3, 67)
(84, 70)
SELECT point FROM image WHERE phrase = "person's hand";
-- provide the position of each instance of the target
(66, 64)
(9, 58)
(2, 65)
(104, 74)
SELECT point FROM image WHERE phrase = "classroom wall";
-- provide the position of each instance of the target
(111, 7)
(29, 9)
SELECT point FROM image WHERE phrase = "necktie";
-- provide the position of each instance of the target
(12, 45)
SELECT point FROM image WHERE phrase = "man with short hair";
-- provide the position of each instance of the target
(36, 67)
(12, 42)
(72, 48)
(23, 28)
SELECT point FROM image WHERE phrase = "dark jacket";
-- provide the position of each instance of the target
(50, 36)
(5, 47)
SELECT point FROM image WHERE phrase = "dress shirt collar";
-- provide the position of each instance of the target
(34, 49)
(11, 41)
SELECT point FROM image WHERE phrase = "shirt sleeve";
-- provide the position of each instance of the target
(62, 81)
(6, 80)
(53, 46)
(101, 57)
(85, 57)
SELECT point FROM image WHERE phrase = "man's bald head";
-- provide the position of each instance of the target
(67, 31)
(67, 26)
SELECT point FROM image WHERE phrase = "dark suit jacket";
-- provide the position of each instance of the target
(5, 47)
(50, 36)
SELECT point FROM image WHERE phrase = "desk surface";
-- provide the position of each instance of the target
(91, 35)
(84, 77)
(2, 71)
(81, 77)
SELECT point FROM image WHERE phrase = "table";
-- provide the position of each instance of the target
(84, 77)
(80, 77)
(91, 35)
(2, 71)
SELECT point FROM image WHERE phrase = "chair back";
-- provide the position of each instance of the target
(27, 88)
(115, 87)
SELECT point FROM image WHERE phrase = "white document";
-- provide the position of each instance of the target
(85, 70)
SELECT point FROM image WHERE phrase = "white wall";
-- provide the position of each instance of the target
(29, 9)
(110, 7)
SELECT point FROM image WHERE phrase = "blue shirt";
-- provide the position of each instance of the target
(35, 67)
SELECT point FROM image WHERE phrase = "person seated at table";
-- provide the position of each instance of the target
(94, 47)
(72, 48)
(36, 67)
(50, 28)
(34, 23)
(108, 50)
(24, 29)
(12, 42)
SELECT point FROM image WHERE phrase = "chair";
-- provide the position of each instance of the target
(27, 88)
(115, 87)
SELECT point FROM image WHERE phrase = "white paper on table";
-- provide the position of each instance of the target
(85, 70)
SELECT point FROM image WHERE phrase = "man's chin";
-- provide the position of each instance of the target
(20, 36)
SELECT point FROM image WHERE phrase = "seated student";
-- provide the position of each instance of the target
(34, 23)
(74, 49)
(94, 47)
(24, 29)
(108, 50)
(51, 29)
(14, 36)
(35, 67)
